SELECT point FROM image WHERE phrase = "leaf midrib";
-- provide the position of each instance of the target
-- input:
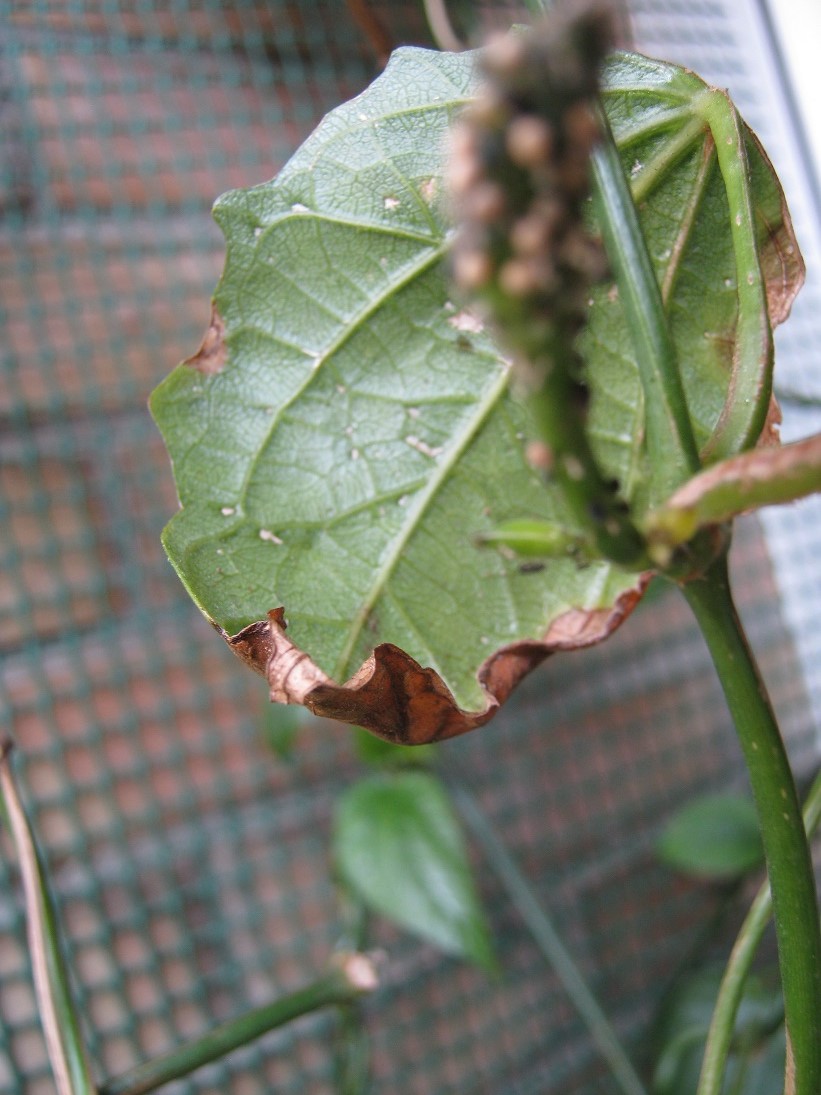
(415, 512)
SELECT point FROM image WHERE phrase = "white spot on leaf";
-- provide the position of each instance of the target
(268, 536)
(428, 190)
(423, 446)
(391, 203)
(466, 321)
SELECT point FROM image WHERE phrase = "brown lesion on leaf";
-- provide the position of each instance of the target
(398, 699)
(213, 353)
(782, 264)
(782, 272)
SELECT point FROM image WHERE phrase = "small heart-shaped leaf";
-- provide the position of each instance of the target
(399, 846)
(716, 836)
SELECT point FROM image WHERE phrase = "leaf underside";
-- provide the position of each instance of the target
(346, 433)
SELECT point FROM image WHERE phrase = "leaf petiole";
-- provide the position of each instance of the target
(670, 440)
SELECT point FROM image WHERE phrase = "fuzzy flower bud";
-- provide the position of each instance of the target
(519, 174)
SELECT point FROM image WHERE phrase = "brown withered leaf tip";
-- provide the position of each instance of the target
(395, 697)
(783, 270)
(212, 355)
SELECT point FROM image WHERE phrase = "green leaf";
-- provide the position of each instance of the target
(280, 729)
(716, 836)
(345, 437)
(719, 233)
(377, 751)
(398, 845)
(682, 1034)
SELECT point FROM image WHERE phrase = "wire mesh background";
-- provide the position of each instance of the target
(190, 865)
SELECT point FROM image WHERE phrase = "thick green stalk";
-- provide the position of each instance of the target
(351, 1049)
(549, 942)
(349, 977)
(719, 1040)
(671, 443)
(786, 847)
(61, 1023)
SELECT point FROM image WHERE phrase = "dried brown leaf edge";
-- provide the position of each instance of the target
(395, 697)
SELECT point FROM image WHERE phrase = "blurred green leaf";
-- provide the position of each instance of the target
(754, 1068)
(398, 844)
(716, 836)
(281, 724)
(383, 753)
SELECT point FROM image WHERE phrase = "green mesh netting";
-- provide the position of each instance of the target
(189, 864)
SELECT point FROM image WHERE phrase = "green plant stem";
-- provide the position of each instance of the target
(720, 1037)
(436, 12)
(576, 471)
(549, 942)
(786, 847)
(671, 443)
(349, 976)
(352, 1059)
(61, 1024)
(351, 1048)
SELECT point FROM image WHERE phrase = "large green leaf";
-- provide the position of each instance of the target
(398, 845)
(346, 434)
